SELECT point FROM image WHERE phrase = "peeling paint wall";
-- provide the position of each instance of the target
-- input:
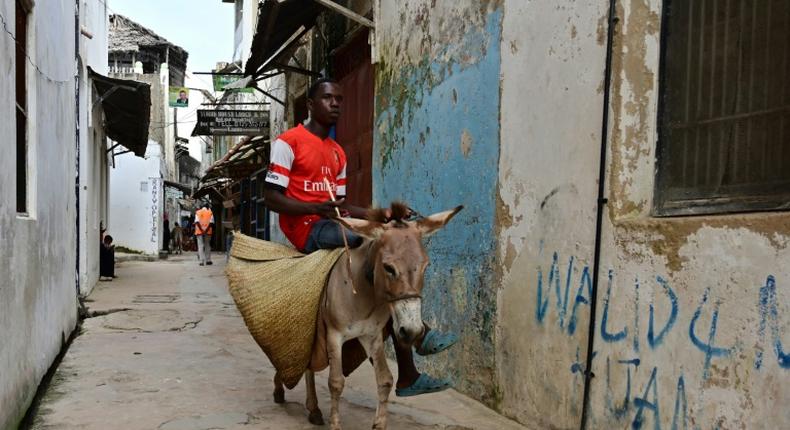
(436, 145)
(552, 66)
(692, 311)
(38, 297)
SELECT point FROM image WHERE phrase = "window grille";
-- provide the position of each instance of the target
(724, 111)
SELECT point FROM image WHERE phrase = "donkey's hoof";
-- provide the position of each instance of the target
(316, 418)
(279, 396)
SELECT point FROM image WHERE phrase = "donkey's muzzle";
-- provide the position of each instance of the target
(407, 319)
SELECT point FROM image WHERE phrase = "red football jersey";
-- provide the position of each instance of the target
(300, 161)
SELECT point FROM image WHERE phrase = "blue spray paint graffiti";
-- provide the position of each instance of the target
(646, 407)
(652, 340)
(769, 309)
(708, 348)
(641, 403)
(608, 337)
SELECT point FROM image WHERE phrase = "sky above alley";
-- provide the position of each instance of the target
(203, 27)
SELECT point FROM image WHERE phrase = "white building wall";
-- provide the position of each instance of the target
(94, 172)
(38, 298)
(136, 201)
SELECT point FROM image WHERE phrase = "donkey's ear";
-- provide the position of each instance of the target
(430, 224)
(362, 227)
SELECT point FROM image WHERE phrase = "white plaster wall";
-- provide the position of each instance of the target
(552, 73)
(94, 172)
(136, 209)
(246, 30)
(37, 253)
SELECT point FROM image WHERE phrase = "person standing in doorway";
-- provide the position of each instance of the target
(204, 228)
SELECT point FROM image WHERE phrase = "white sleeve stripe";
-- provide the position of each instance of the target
(341, 190)
(282, 154)
(277, 179)
(342, 174)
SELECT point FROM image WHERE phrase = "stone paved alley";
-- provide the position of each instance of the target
(172, 353)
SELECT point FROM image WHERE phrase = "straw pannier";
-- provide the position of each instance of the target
(277, 290)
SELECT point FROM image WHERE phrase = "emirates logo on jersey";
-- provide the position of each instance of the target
(313, 187)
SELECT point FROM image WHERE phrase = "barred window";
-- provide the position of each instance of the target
(724, 111)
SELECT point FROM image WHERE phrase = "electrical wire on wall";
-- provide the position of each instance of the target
(30, 60)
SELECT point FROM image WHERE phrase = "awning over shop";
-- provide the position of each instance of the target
(247, 156)
(244, 158)
(127, 110)
(186, 189)
(280, 25)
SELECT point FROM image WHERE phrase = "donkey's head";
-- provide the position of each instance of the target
(397, 261)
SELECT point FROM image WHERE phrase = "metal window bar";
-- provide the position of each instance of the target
(723, 139)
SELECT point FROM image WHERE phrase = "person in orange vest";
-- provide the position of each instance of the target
(204, 228)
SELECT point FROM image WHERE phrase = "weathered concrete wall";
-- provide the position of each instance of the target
(137, 200)
(553, 57)
(37, 252)
(436, 145)
(691, 310)
(698, 305)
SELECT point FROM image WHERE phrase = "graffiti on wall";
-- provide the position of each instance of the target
(567, 295)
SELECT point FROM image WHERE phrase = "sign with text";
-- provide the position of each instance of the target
(231, 123)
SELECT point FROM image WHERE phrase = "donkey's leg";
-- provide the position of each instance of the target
(383, 381)
(311, 403)
(334, 345)
(279, 391)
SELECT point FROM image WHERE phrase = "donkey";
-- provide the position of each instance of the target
(387, 271)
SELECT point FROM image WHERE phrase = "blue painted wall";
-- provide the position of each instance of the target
(436, 146)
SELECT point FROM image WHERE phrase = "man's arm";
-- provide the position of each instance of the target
(353, 211)
(277, 201)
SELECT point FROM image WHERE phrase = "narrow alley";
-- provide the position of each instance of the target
(570, 214)
(167, 349)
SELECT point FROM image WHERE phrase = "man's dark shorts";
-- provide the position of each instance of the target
(327, 234)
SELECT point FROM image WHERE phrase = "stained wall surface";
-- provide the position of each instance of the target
(499, 106)
(436, 146)
(690, 310)
(696, 306)
(38, 262)
(553, 57)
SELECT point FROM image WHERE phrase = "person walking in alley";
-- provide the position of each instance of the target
(178, 238)
(204, 228)
(302, 159)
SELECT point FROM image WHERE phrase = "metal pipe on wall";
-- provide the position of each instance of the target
(601, 203)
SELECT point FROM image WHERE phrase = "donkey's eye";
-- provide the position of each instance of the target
(390, 270)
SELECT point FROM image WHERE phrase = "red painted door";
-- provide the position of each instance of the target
(353, 70)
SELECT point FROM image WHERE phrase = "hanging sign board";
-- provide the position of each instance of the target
(231, 123)
(220, 81)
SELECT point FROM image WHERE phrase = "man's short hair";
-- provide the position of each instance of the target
(317, 84)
